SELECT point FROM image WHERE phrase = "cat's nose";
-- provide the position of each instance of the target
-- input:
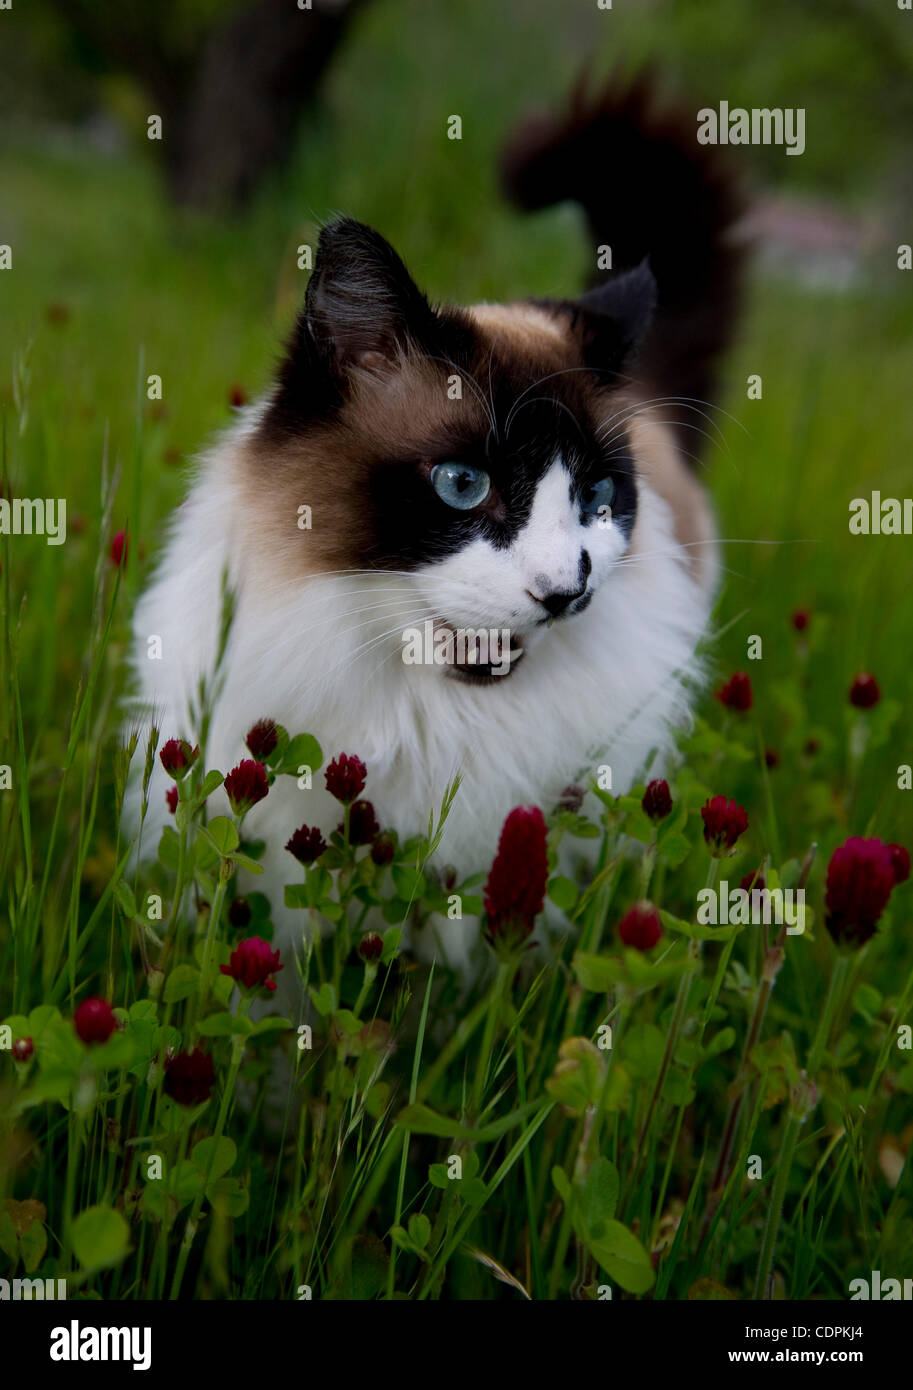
(555, 601)
(558, 600)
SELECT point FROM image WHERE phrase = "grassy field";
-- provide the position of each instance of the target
(568, 1168)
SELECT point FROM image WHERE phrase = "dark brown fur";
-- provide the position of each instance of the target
(649, 190)
(396, 407)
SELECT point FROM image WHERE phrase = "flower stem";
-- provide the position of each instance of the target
(491, 1022)
(681, 1000)
(771, 965)
(774, 1211)
(538, 1276)
(859, 737)
(677, 1016)
(237, 1053)
(768, 796)
(176, 902)
(370, 976)
(215, 912)
(832, 1004)
(407, 1133)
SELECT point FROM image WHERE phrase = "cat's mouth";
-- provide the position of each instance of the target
(479, 656)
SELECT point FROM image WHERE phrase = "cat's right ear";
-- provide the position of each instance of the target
(362, 305)
(361, 310)
(615, 318)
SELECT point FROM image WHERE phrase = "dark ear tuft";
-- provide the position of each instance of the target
(615, 317)
(361, 301)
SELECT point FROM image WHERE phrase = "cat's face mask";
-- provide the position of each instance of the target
(479, 457)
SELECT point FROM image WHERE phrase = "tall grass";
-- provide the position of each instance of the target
(331, 1167)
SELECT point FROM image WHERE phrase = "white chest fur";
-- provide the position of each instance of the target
(325, 657)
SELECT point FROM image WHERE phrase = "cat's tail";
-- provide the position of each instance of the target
(649, 190)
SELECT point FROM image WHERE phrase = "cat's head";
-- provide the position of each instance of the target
(485, 452)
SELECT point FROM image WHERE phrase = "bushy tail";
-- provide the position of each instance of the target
(648, 189)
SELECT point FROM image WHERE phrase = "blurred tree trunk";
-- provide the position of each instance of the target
(231, 99)
(255, 74)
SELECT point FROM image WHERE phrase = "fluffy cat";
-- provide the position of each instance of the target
(521, 467)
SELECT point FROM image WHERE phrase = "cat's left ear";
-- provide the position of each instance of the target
(614, 318)
(362, 305)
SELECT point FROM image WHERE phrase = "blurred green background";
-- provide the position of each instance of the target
(111, 279)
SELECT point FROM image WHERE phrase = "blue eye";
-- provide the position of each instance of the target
(460, 485)
(598, 495)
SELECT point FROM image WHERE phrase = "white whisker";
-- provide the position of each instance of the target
(564, 371)
(552, 400)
